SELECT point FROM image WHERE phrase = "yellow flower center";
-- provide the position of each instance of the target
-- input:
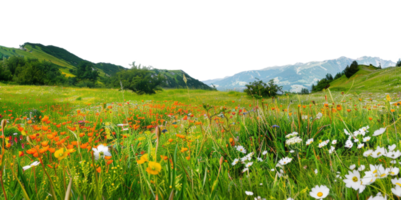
(383, 175)
(378, 153)
(60, 154)
(375, 171)
(399, 184)
(101, 153)
(355, 179)
(319, 194)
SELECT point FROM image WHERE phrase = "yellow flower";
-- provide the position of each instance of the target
(388, 98)
(143, 159)
(60, 154)
(141, 138)
(154, 168)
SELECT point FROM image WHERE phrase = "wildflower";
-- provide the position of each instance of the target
(396, 181)
(352, 167)
(323, 144)
(241, 149)
(348, 144)
(332, 149)
(275, 126)
(319, 192)
(264, 152)
(360, 145)
(316, 171)
(293, 140)
(36, 163)
(366, 139)
(144, 158)
(249, 164)
(393, 154)
(380, 151)
(396, 191)
(361, 168)
(353, 180)
(284, 161)
(319, 115)
(368, 153)
(60, 154)
(235, 162)
(393, 171)
(259, 159)
(379, 132)
(308, 142)
(101, 151)
(391, 147)
(154, 168)
(245, 170)
(248, 193)
(334, 142)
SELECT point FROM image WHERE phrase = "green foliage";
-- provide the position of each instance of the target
(86, 71)
(351, 70)
(321, 84)
(398, 63)
(140, 80)
(10, 132)
(34, 115)
(260, 89)
(30, 72)
(304, 91)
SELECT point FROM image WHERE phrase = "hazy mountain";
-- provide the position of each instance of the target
(294, 77)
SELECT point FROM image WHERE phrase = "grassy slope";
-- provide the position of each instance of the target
(66, 60)
(370, 79)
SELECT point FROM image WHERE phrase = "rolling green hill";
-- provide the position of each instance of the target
(369, 78)
(67, 61)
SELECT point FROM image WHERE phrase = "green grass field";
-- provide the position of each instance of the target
(196, 144)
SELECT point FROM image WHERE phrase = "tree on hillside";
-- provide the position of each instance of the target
(398, 63)
(329, 77)
(352, 69)
(86, 71)
(140, 80)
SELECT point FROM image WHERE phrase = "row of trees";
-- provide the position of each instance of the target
(324, 83)
(31, 71)
(259, 89)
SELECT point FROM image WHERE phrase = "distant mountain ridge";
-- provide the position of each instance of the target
(296, 76)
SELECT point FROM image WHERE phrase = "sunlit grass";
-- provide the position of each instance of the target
(182, 144)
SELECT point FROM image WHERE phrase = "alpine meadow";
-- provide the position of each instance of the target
(72, 129)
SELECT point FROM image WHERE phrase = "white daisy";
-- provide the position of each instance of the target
(308, 142)
(349, 144)
(379, 132)
(319, 192)
(368, 153)
(396, 191)
(332, 149)
(241, 149)
(284, 161)
(353, 180)
(101, 151)
(366, 139)
(36, 163)
(235, 162)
